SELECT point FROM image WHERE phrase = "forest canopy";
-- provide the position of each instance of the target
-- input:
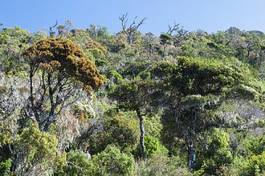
(84, 102)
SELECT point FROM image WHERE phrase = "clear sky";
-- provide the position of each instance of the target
(208, 15)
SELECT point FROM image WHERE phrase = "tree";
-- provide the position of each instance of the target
(178, 33)
(62, 71)
(64, 29)
(135, 95)
(196, 88)
(191, 120)
(130, 30)
(165, 40)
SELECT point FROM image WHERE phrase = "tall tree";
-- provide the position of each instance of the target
(135, 96)
(196, 88)
(62, 70)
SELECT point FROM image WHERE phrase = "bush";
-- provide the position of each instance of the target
(112, 162)
(152, 147)
(78, 164)
(109, 162)
(5, 167)
(216, 153)
(38, 148)
(162, 166)
(120, 131)
(256, 165)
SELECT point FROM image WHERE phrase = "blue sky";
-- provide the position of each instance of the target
(208, 15)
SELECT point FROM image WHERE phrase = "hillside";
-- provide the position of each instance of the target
(82, 102)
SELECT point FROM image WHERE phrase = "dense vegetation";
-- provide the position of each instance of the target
(88, 102)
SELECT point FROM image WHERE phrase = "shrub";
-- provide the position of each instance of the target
(159, 165)
(109, 162)
(5, 167)
(120, 131)
(152, 147)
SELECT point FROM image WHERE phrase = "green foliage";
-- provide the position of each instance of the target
(253, 145)
(112, 161)
(12, 42)
(39, 147)
(78, 164)
(120, 130)
(208, 100)
(161, 165)
(5, 167)
(257, 164)
(92, 49)
(132, 95)
(165, 39)
(154, 147)
(216, 152)
(210, 76)
(253, 165)
(5, 135)
(109, 162)
(153, 126)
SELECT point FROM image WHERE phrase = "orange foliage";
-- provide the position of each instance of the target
(57, 54)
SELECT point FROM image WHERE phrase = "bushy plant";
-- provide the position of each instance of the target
(109, 162)
(35, 147)
(5, 167)
(216, 152)
(161, 165)
(120, 130)
(154, 147)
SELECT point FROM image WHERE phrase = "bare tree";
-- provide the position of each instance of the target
(131, 29)
(173, 28)
(52, 31)
(177, 32)
(64, 29)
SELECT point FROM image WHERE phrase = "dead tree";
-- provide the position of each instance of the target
(131, 29)
(177, 32)
(173, 28)
(52, 31)
(64, 29)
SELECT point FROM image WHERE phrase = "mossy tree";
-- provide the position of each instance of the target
(62, 70)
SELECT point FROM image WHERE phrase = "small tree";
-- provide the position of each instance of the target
(62, 70)
(131, 29)
(165, 40)
(135, 96)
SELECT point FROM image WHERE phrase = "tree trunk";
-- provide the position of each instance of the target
(191, 148)
(191, 155)
(142, 133)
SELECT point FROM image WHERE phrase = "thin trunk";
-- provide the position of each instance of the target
(31, 96)
(191, 155)
(142, 133)
(191, 148)
(51, 116)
